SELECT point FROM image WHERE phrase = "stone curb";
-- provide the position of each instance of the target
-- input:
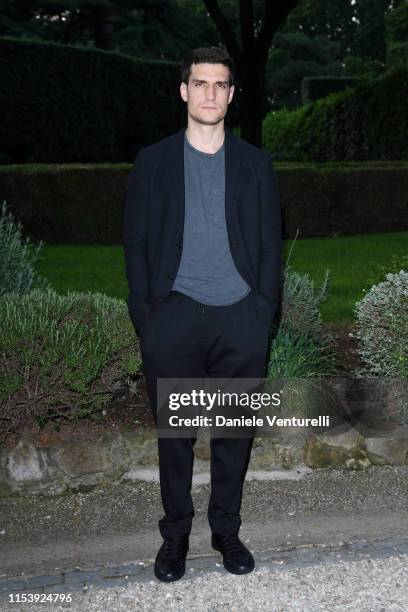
(101, 577)
(83, 464)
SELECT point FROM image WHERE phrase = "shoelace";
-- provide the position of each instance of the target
(173, 548)
(231, 543)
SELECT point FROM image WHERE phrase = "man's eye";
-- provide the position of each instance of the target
(222, 85)
(197, 84)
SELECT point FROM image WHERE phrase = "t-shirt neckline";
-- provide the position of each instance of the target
(186, 140)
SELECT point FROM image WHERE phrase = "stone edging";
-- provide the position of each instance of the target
(83, 580)
(28, 469)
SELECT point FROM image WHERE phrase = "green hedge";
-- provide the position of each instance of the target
(368, 122)
(61, 103)
(397, 53)
(83, 204)
(315, 87)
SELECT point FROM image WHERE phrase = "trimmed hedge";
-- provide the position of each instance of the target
(315, 87)
(368, 122)
(83, 204)
(62, 103)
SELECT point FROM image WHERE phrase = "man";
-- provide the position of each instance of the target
(203, 263)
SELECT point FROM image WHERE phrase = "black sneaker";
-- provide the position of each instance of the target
(170, 561)
(236, 557)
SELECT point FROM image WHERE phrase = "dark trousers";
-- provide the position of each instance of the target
(183, 338)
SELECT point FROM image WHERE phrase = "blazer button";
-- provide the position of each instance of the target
(178, 245)
(171, 277)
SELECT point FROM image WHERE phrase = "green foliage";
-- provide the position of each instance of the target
(63, 103)
(293, 57)
(378, 271)
(153, 29)
(397, 54)
(289, 134)
(17, 258)
(298, 355)
(317, 87)
(166, 31)
(62, 356)
(369, 36)
(329, 18)
(83, 204)
(301, 348)
(353, 125)
(396, 23)
(357, 66)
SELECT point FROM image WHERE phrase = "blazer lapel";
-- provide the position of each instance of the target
(232, 165)
(178, 178)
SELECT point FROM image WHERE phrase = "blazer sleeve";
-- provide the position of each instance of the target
(135, 231)
(270, 272)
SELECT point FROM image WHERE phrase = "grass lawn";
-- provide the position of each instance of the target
(349, 259)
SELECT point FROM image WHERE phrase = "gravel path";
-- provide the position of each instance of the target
(363, 585)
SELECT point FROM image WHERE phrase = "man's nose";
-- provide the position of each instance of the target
(210, 92)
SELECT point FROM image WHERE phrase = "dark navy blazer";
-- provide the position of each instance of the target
(154, 222)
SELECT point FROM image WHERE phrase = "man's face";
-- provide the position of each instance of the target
(207, 93)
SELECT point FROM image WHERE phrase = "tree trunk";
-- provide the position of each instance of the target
(252, 101)
(251, 57)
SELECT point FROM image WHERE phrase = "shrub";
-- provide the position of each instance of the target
(382, 332)
(301, 347)
(62, 356)
(382, 328)
(17, 258)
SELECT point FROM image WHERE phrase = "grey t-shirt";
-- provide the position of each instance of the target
(207, 272)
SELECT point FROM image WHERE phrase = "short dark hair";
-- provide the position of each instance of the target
(207, 55)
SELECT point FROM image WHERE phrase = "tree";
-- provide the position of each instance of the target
(250, 54)
(164, 30)
(296, 55)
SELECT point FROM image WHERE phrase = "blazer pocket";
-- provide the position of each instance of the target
(137, 312)
(151, 314)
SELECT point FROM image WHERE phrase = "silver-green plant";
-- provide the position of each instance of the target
(382, 333)
(301, 347)
(382, 328)
(303, 353)
(17, 258)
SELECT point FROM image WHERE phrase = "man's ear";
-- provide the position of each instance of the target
(231, 93)
(183, 91)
